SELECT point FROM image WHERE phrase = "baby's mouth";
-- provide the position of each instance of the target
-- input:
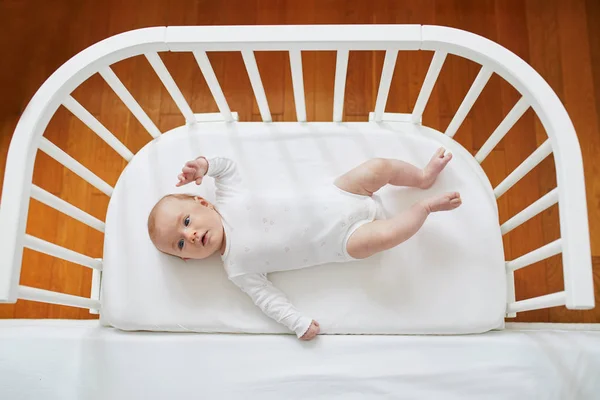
(204, 237)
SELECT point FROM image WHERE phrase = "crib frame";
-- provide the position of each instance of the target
(574, 243)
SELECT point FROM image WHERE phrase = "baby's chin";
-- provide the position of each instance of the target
(192, 257)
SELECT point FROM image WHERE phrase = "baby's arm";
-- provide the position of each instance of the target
(275, 305)
(223, 170)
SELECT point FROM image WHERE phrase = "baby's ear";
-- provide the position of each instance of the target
(201, 200)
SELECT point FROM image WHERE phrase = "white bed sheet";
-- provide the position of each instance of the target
(449, 278)
(78, 360)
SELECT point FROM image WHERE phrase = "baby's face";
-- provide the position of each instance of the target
(188, 228)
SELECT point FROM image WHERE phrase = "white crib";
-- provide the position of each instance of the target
(536, 93)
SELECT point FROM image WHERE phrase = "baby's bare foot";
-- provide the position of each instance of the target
(444, 202)
(435, 166)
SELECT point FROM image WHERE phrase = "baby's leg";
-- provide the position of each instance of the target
(371, 175)
(384, 234)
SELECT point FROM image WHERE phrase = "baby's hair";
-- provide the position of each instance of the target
(152, 216)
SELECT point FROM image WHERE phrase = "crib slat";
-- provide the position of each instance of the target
(298, 84)
(536, 303)
(167, 80)
(37, 244)
(530, 162)
(117, 86)
(509, 121)
(341, 69)
(432, 75)
(95, 290)
(55, 152)
(47, 296)
(59, 204)
(510, 292)
(541, 204)
(389, 63)
(479, 83)
(213, 84)
(87, 118)
(257, 86)
(539, 254)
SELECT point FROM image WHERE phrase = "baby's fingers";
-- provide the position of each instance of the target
(182, 180)
(188, 170)
(192, 164)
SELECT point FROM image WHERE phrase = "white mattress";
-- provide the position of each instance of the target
(448, 279)
(65, 360)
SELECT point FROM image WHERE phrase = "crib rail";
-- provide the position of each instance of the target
(494, 59)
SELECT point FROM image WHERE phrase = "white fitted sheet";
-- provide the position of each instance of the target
(448, 279)
(66, 360)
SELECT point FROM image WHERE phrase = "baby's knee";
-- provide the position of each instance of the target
(378, 164)
(378, 168)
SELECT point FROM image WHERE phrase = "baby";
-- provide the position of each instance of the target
(256, 234)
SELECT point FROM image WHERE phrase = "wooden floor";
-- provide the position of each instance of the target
(560, 39)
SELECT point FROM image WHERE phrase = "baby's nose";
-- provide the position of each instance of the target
(191, 236)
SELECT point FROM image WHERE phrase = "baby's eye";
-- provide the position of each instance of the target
(180, 244)
(186, 221)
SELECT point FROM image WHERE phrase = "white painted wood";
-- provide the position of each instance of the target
(64, 207)
(551, 326)
(523, 169)
(69, 162)
(257, 86)
(510, 291)
(478, 84)
(91, 122)
(577, 264)
(167, 80)
(30, 128)
(536, 303)
(541, 204)
(507, 123)
(214, 117)
(298, 84)
(384, 84)
(432, 75)
(539, 254)
(339, 86)
(117, 86)
(95, 290)
(213, 84)
(46, 296)
(294, 37)
(392, 117)
(535, 91)
(54, 250)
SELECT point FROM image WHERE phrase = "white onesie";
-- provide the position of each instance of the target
(281, 233)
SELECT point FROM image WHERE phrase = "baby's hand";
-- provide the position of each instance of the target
(193, 171)
(313, 330)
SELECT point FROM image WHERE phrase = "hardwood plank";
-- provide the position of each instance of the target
(580, 101)
(593, 15)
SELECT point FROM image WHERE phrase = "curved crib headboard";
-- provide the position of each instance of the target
(536, 93)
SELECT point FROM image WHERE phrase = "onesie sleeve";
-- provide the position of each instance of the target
(272, 302)
(226, 175)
